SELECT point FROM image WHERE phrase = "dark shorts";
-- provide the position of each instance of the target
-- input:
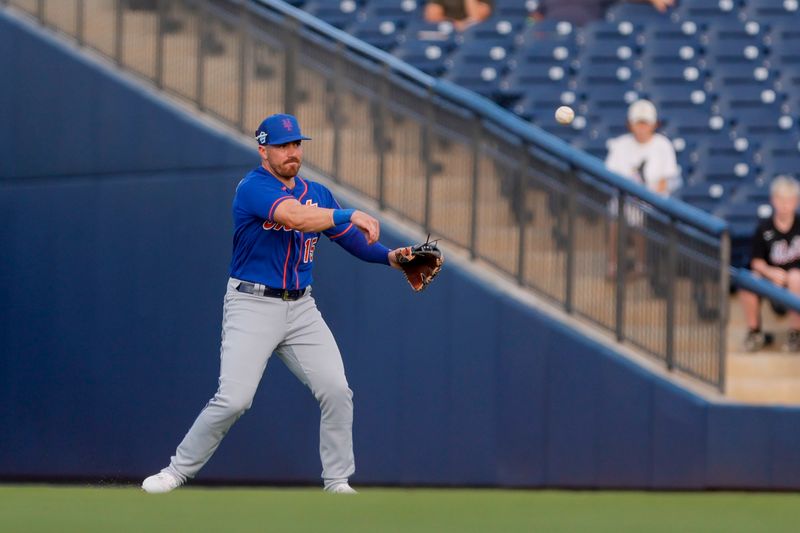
(778, 308)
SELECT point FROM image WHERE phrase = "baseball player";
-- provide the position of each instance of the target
(278, 219)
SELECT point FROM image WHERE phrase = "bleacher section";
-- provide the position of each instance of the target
(724, 74)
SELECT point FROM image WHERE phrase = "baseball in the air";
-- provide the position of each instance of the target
(564, 115)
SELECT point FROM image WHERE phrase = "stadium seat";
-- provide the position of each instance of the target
(772, 10)
(633, 12)
(543, 99)
(620, 33)
(671, 75)
(709, 11)
(398, 10)
(381, 33)
(705, 196)
(338, 13)
(427, 56)
(669, 98)
(684, 51)
(478, 77)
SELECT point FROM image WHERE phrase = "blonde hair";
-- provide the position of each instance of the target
(784, 186)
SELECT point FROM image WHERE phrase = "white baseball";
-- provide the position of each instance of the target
(565, 114)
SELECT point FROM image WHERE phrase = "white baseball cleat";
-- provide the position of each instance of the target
(160, 483)
(341, 488)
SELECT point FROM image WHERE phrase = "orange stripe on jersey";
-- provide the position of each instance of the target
(304, 192)
(343, 232)
(297, 265)
(275, 204)
(286, 263)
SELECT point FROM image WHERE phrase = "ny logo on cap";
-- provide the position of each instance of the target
(287, 124)
(262, 137)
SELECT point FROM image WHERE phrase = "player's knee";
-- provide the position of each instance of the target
(793, 280)
(335, 393)
(234, 404)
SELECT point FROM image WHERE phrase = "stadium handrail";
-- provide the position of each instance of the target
(744, 279)
(510, 122)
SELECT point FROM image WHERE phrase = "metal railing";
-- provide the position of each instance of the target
(550, 216)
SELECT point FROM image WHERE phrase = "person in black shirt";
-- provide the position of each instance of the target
(776, 257)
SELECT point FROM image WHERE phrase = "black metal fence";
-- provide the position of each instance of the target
(654, 275)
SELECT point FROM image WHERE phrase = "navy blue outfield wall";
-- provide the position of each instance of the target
(111, 285)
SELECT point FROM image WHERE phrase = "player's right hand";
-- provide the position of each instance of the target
(368, 225)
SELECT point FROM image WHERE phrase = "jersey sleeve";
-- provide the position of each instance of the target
(260, 200)
(330, 202)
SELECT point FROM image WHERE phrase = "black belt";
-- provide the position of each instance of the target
(258, 289)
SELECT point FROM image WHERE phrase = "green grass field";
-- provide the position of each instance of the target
(34, 508)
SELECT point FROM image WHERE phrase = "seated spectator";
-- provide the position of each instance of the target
(580, 12)
(775, 257)
(462, 13)
(646, 157)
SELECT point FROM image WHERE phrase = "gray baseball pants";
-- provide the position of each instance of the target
(253, 327)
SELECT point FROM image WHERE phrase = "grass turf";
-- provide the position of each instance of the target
(35, 508)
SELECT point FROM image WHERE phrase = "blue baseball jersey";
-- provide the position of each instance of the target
(267, 252)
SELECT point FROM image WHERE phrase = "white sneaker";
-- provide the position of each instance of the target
(160, 483)
(341, 488)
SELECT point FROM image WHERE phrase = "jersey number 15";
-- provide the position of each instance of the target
(308, 249)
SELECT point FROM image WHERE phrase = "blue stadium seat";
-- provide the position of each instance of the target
(528, 75)
(546, 30)
(381, 33)
(487, 52)
(609, 53)
(773, 10)
(428, 56)
(633, 12)
(705, 196)
(560, 51)
(753, 122)
(671, 51)
(688, 123)
(542, 100)
(666, 30)
(442, 33)
(592, 75)
(742, 218)
(669, 98)
(492, 29)
(709, 11)
(733, 76)
(512, 9)
(483, 79)
(670, 75)
(398, 10)
(728, 169)
(595, 145)
(600, 31)
(727, 30)
(338, 13)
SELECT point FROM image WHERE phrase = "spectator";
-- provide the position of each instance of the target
(462, 13)
(579, 12)
(775, 257)
(648, 158)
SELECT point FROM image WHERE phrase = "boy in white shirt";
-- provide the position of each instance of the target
(648, 158)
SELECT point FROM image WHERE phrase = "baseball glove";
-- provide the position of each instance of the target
(420, 263)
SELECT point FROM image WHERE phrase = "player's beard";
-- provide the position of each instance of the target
(287, 169)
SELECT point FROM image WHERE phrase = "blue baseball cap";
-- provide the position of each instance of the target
(279, 129)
